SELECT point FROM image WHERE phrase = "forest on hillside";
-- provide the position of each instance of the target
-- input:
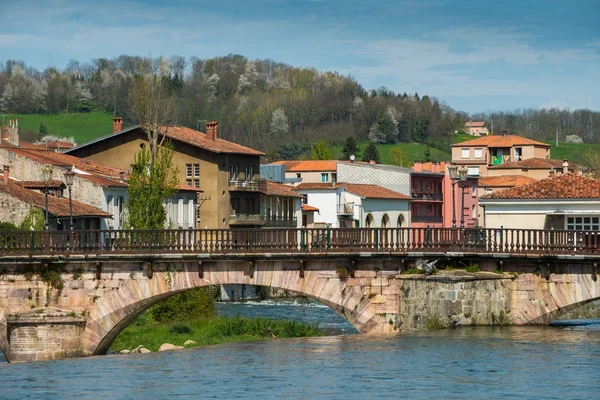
(270, 105)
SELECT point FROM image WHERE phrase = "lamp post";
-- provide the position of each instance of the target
(47, 175)
(69, 179)
(453, 173)
(462, 174)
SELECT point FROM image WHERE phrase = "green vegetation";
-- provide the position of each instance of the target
(412, 271)
(434, 323)
(82, 127)
(411, 151)
(149, 333)
(472, 268)
(501, 319)
(320, 151)
(184, 306)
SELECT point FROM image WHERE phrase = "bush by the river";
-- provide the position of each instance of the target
(207, 331)
(184, 306)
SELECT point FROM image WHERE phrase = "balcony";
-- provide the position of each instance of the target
(345, 209)
(247, 186)
(434, 219)
(427, 196)
(281, 222)
(497, 160)
(261, 219)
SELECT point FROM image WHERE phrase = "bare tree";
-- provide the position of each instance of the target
(151, 102)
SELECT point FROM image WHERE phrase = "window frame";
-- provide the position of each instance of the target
(462, 152)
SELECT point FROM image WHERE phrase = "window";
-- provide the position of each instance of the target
(428, 185)
(583, 223)
(428, 208)
(192, 174)
(465, 153)
(333, 177)
(478, 153)
(249, 172)
(233, 172)
(324, 177)
(298, 175)
(473, 171)
(518, 153)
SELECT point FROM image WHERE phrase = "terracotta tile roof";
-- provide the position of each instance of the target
(306, 207)
(500, 141)
(99, 173)
(308, 165)
(318, 186)
(504, 181)
(199, 139)
(277, 189)
(54, 184)
(374, 192)
(561, 187)
(428, 167)
(475, 124)
(56, 206)
(57, 145)
(536, 163)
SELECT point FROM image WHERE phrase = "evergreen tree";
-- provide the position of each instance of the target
(43, 129)
(350, 148)
(320, 151)
(372, 154)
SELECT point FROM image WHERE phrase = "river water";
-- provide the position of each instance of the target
(509, 362)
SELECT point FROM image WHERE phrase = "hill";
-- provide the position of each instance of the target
(82, 127)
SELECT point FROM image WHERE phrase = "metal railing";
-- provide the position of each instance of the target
(248, 186)
(325, 240)
(427, 218)
(427, 196)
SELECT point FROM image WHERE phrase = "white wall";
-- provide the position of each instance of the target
(387, 176)
(394, 208)
(326, 202)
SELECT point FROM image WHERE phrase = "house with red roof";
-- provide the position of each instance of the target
(310, 171)
(476, 128)
(566, 201)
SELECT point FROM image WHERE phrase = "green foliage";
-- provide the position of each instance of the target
(188, 305)
(501, 319)
(350, 148)
(434, 323)
(371, 154)
(180, 328)
(43, 131)
(149, 186)
(320, 151)
(398, 157)
(412, 271)
(292, 151)
(472, 268)
(34, 220)
(7, 226)
(342, 273)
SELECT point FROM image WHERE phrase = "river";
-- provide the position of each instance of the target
(509, 362)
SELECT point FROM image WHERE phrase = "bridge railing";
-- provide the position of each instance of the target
(311, 240)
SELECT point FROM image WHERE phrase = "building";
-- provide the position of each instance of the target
(310, 171)
(492, 184)
(17, 203)
(484, 152)
(565, 201)
(226, 172)
(281, 207)
(476, 128)
(390, 177)
(536, 168)
(348, 205)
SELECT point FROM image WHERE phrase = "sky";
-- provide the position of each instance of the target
(475, 56)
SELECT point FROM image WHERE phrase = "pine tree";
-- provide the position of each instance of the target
(320, 151)
(372, 154)
(350, 148)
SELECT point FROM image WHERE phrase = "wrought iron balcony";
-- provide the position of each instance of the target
(247, 219)
(248, 186)
(427, 196)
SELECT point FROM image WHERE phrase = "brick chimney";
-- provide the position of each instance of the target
(435, 167)
(13, 132)
(565, 166)
(211, 130)
(6, 174)
(418, 166)
(117, 124)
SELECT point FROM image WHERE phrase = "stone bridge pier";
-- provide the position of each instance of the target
(65, 307)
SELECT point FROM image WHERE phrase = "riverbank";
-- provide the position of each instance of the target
(216, 330)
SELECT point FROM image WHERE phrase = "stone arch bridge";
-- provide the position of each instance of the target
(70, 294)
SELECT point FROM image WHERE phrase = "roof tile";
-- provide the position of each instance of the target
(535, 163)
(308, 165)
(277, 189)
(199, 139)
(500, 141)
(504, 181)
(374, 192)
(562, 187)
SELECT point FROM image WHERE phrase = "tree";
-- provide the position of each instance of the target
(591, 159)
(149, 186)
(320, 151)
(372, 154)
(397, 155)
(43, 131)
(350, 148)
(151, 103)
(185, 306)
(279, 123)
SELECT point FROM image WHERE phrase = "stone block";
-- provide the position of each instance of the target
(365, 274)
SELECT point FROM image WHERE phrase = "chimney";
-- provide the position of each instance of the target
(117, 124)
(565, 167)
(211, 130)
(435, 167)
(6, 174)
(418, 166)
(13, 133)
(122, 177)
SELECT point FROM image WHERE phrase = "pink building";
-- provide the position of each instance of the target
(431, 190)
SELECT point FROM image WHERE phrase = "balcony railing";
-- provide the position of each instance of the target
(427, 218)
(247, 219)
(248, 186)
(281, 222)
(345, 209)
(427, 196)
(313, 240)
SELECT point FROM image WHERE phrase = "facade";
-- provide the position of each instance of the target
(484, 152)
(281, 207)
(390, 177)
(476, 128)
(559, 202)
(324, 197)
(427, 192)
(536, 168)
(228, 174)
(310, 171)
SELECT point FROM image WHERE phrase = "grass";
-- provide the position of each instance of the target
(209, 331)
(83, 127)
(413, 151)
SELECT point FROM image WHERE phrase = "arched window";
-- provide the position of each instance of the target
(385, 221)
(369, 221)
(400, 222)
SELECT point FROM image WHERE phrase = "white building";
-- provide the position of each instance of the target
(390, 177)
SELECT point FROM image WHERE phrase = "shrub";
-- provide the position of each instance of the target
(188, 305)
(342, 273)
(180, 328)
(472, 268)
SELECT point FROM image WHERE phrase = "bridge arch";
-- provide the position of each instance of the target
(114, 311)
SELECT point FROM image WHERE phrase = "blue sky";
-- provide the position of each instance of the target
(473, 55)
